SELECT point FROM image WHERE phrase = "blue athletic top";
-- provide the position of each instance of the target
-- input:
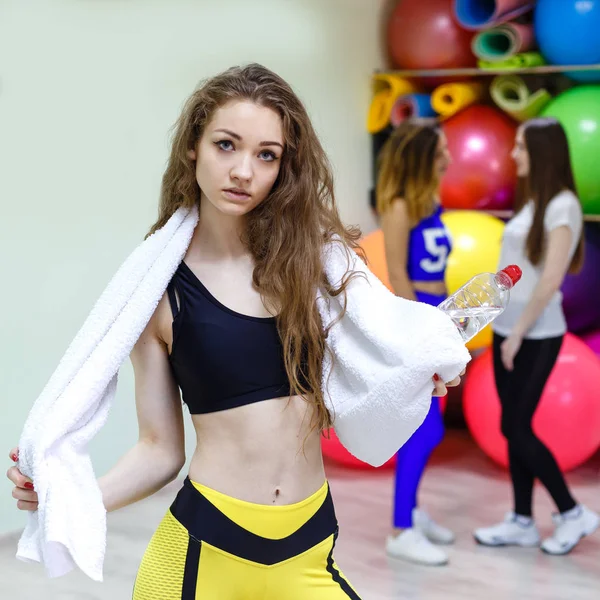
(220, 358)
(428, 249)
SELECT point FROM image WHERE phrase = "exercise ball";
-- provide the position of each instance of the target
(581, 292)
(374, 246)
(482, 173)
(578, 110)
(476, 240)
(426, 35)
(567, 419)
(567, 34)
(334, 450)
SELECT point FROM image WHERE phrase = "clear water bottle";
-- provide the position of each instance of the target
(480, 300)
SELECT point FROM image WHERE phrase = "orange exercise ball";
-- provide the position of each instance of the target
(374, 247)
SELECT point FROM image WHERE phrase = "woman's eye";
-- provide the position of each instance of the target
(225, 145)
(268, 155)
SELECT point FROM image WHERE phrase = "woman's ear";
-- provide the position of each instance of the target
(191, 154)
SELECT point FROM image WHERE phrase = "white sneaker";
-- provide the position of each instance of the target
(434, 532)
(570, 527)
(412, 545)
(515, 530)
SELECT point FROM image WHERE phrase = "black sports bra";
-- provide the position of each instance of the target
(220, 358)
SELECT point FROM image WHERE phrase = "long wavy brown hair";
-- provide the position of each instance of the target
(286, 232)
(406, 168)
(550, 173)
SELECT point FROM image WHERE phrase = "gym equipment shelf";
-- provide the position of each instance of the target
(480, 72)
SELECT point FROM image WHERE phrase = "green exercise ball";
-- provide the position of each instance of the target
(578, 110)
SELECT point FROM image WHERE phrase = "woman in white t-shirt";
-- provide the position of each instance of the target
(545, 239)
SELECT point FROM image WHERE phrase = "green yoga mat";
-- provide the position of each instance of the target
(500, 43)
(513, 96)
(517, 61)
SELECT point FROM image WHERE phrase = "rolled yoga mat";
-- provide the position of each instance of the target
(449, 98)
(503, 41)
(410, 106)
(522, 60)
(482, 14)
(387, 89)
(517, 98)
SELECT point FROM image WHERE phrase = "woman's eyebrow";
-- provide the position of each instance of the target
(238, 137)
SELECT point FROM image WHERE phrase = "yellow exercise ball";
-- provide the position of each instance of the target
(476, 241)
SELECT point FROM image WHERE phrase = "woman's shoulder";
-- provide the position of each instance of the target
(563, 209)
(565, 198)
(399, 204)
(397, 213)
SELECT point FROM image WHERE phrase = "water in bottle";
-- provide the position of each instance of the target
(480, 300)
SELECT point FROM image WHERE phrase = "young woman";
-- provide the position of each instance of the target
(417, 246)
(545, 239)
(254, 517)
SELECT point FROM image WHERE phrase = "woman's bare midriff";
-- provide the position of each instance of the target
(266, 452)
(437, 288)
(263, 452)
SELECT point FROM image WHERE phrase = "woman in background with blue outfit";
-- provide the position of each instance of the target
(417, 245)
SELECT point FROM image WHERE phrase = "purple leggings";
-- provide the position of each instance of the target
(412, 458)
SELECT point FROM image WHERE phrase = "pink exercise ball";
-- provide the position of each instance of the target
(334, 450)
(482, 174)
(568, 416)
(424, 34)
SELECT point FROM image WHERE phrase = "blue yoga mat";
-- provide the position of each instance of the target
(481, 14)
(410, 106)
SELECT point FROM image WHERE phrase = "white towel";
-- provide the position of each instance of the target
(69, 527)
(385, 351)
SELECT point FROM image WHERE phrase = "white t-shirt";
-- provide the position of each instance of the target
(563, 209)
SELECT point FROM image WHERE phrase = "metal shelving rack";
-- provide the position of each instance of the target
(476, 72)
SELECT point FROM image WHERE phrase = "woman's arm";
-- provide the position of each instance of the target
(557, 260)
(395, 224)
(159, 454)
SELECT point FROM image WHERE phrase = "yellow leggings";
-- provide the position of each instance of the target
(213, 547)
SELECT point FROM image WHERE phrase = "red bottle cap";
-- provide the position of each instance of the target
(513, 272)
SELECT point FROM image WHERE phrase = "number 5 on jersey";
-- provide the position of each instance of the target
(437, 245)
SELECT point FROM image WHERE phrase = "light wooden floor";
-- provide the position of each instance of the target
(462, 489)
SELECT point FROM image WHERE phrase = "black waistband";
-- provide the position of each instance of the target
(206, 523)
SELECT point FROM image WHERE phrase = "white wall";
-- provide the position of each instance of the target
(88, 91)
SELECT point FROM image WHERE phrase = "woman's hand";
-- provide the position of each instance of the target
(23, 491)
(509, 349)
(440, 386)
